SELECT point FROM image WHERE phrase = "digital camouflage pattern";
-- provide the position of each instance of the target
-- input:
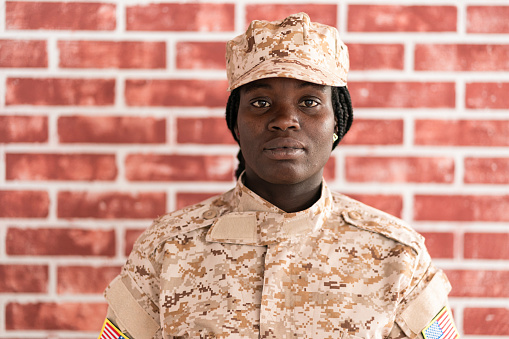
(292, 48)
(236, 266)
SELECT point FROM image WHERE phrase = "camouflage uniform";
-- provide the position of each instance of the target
(236, 266)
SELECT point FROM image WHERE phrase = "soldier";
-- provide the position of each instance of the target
(280, 255)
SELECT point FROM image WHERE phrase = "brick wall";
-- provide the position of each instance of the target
(111, 113)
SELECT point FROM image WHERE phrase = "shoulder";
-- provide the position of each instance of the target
(183, 221)
(370, 219)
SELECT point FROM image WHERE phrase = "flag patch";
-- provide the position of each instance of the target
(110, 331)
(441, 327)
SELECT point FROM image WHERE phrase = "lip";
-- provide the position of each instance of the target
(283, 143)
(283, 149)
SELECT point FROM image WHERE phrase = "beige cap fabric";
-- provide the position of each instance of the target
(292, 48)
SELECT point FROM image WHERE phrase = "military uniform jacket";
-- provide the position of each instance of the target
(236, 266)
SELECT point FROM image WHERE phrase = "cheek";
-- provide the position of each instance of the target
(245, 134)
(248, 127)
(326, 129)
(325, 138)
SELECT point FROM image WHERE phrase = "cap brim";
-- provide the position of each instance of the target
(290, 68)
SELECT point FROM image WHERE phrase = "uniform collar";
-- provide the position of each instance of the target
(255, 221)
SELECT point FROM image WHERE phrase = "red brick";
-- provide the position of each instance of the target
(176, 93)
(329, 171)
(487, 95)
(462, 132)
(479, 284)
(59, 15)
(130, 238)
(389, 203)
(403, 94)
(112, 54)
(486, 321)
(60, 241)
(201, 55)
(111, 129)
(55, 316)
(23, 129)
(209, 130)
(23, 278)
(376, 56)
(23, 53)
(374, 132)
(389, 18)
(486, 246)
(24, 204)
(461, 57)
(204, 17)
(60, 92)
(462, 207)
(399, 169)
(486, 171)
(40, 166)
(111, 205)
(322, 13)
(487, 19)
(174, 167)
(439, 244)
(85, 279)
(188, 198)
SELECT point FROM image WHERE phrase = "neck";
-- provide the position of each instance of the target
(287, 197)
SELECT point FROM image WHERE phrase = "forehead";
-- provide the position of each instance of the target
(287, 84)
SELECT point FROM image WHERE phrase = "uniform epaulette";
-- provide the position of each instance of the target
(182, 221)
(373, 220)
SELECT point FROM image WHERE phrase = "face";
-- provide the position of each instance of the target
(285, 128)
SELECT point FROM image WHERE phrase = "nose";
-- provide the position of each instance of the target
(284, 117)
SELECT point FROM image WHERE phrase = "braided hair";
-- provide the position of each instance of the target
(341, 104)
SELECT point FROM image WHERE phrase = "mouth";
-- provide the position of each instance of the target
(283, 149)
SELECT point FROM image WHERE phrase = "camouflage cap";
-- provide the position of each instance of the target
(292, 48)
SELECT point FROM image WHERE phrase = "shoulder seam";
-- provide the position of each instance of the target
(373, 220)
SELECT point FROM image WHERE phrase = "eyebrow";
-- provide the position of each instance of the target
(261, 85)
(310, 84)
(256, 85)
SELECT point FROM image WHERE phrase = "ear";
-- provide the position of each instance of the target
(236, 130)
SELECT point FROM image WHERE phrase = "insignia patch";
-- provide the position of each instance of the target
(441, 327)
(110, 331)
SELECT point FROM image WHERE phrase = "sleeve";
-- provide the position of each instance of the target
(133, 298)
(427, 297)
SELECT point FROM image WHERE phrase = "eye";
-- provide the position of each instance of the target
(261, 103)
(308, 103)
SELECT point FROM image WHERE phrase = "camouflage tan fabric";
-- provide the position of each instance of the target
(292, 48)
(235, 266)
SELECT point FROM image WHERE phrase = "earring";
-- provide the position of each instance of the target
(334, 137)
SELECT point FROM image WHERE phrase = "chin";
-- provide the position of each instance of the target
(284, 176)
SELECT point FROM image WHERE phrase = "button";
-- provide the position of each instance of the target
(354, 215)
(209, 214)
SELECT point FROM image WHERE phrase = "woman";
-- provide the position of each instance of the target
(280, 256)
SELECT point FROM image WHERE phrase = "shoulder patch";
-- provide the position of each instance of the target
(182, 221)
(110, 331)
(441, 327)
(371, 219)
